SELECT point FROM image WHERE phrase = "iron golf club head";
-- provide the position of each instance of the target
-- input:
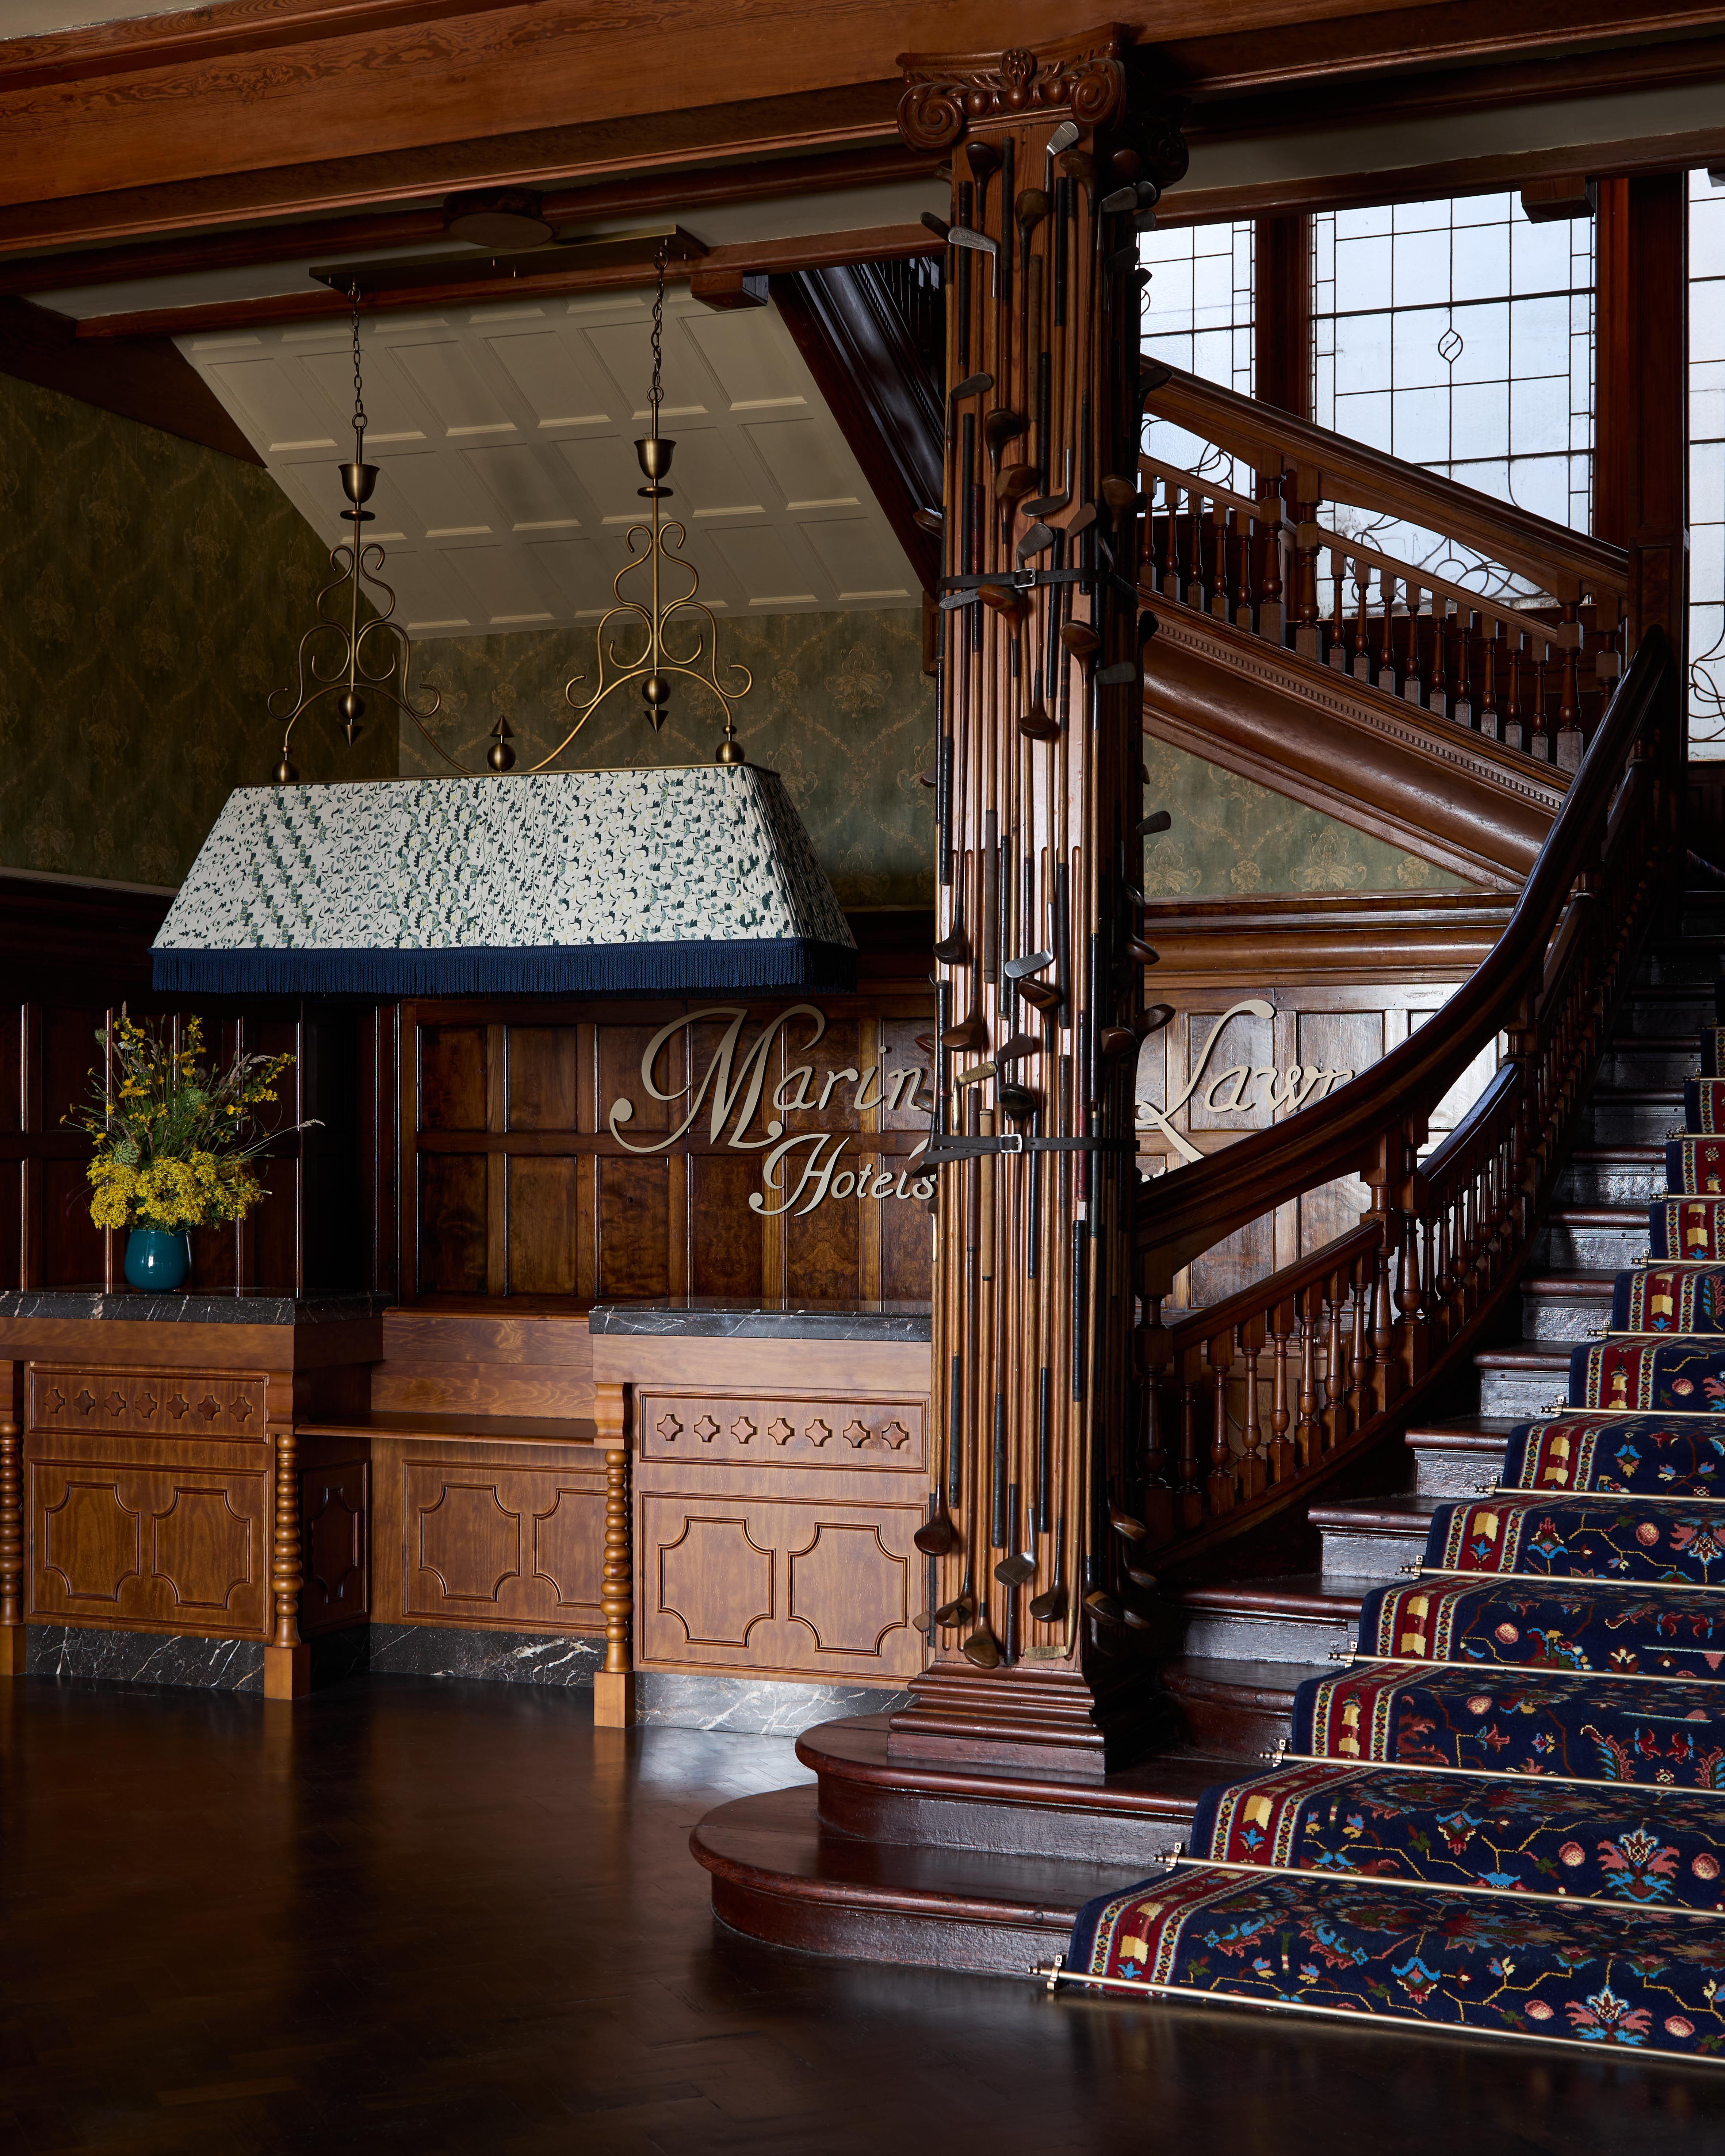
(1017, 968)
(1015, 1571)
(1036, 540)
(1117, 676)
(1147, 827)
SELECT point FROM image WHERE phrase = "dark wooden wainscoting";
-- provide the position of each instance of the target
(522, 1177)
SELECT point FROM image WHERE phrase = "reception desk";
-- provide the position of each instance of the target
(268, 1494)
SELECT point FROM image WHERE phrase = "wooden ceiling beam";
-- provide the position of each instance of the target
(143, 379)
(765, 258)
(757, 180)
(609, 152)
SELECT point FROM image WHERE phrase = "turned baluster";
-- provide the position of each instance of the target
(1387, 669)
(1221, 1489)
(1334, 1361)
(1192, 1496)
(1415, 675)
(1159, 517)
(1359, 1368)
(1338, 611)
(1220, 523)
(1384, 1386)
(1360, 658)
(1270, 618)
(1438, 695)
(1514, 733)
(1307, 636)
(1241, 545)
(1252, 1471)
(1305, 1430)
(1540, 745)
(1192, 586)
(1281, 1450)
(1462, 709)
(1569, 736)
(1490, 721)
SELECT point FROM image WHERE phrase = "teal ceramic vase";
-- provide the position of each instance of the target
(157, 1261)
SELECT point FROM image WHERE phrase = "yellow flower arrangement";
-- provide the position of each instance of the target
(174, 1141)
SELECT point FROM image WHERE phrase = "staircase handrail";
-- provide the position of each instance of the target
(1185, 1214)
(1323, 466)
(1249, 1403)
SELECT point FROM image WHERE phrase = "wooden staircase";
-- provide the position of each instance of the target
(985, 1870)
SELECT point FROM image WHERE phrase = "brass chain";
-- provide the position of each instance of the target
(359, 387)
(658, 336)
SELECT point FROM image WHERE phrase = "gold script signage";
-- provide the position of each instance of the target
(1229, 1092)
(731, 1090)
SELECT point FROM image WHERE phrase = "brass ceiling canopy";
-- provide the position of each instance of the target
(497, 217)
(342, 657)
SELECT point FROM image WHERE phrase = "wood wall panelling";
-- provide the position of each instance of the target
(335, 1530)
(506, 1546)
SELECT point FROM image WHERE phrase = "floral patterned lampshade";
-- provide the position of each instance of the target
(654, 882)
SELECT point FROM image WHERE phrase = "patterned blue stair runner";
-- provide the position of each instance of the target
(1507, 1813)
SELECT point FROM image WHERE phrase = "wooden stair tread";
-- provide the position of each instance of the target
(775, 1842)
(1583, 1281)
(1164, 1786)
(1527, 1355)
(1320, 1596)
(1270, 1685)
(1410, 1508)
(1600, 1216)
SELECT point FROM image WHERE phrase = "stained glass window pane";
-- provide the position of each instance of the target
(1706, 469)
(1198, 316)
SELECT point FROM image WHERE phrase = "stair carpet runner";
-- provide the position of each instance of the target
(1507, 1813)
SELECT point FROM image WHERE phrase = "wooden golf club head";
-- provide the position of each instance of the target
(935, 1537)
(1080, 166)
(1123, 1523)
(926, 1042)
(951, 1615)
(1041, 995)
(1021, 1044)
(954, 950)
(1115, 1041)
(984, 160)
(982, 1648)
(1032, 207)
(1146, 1580)
(1102, 1607)
(1000, 427)
(1002, 599)
(1015, 482)
(1038, 723)
(1125, 164)
(1147, 626)
(1049, 1606)
(1137, 948)
(1015, 1571)
(1155, 1016)
(1153, 374)
(968, 1033)
(1080, 639)
(930, 519)
(921, 1620)
(937, 225)
(1018, 1103)
(1120, 494)
(930, 778)
(1148, 826)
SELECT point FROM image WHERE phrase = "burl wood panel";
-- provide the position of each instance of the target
(176, 1549)
(802, 1587)
(514, 1547)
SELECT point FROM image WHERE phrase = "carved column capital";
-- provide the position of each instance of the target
(947, 94)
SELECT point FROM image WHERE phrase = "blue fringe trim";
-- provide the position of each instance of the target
(694, 968)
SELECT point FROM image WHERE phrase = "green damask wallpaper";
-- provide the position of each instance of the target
(1230, 837)
(151, 594)
(840, 706)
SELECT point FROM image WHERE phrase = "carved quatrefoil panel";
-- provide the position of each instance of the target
(669, 1429)
(781, 1432)
(707, 1430)
(742, 1430)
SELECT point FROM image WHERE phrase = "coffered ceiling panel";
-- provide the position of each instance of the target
(508, 478)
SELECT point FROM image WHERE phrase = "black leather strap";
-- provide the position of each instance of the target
(1013, 1141)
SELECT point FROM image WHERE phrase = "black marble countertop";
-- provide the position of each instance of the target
(137, 1308)
(715, 1317)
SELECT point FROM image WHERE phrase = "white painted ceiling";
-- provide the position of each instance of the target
(505, 438)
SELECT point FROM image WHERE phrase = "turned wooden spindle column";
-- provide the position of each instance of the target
(614, 1685)
(1055, 156)
(288, 1659)
(11, 1525)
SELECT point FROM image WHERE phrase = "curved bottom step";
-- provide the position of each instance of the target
(779, 1877)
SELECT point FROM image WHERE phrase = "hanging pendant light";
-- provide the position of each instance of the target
(375, 657)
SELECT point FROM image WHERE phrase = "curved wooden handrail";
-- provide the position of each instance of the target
(1186, 1212)
(1328, 467)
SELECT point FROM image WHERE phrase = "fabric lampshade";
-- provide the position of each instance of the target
(653, 882)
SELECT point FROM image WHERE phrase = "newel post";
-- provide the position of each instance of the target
(614, 1685)
(1035, 1663)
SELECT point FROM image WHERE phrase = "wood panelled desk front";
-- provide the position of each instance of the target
(153, 1478)
(265, 1472)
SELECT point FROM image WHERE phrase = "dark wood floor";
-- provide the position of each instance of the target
(456, 1918)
